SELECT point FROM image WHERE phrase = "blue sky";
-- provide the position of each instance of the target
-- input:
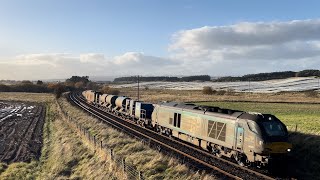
(146, 29)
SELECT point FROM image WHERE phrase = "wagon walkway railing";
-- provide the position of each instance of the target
(129, 171)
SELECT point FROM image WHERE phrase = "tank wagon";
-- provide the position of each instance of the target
(249, 138)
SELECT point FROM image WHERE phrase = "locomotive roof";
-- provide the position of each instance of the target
(211, 109)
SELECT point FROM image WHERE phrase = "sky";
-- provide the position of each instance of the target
(55, 39)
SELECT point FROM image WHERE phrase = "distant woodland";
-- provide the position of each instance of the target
(163, 78)
(248, 77)
(270, 76)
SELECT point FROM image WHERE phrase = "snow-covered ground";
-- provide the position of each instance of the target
(8, 110)
(290, 84)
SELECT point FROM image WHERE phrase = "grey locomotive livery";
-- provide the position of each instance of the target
(249, 138)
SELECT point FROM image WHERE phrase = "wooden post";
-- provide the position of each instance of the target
(140, 175)
(124, 165)
(101, 145)
(111, 154)
(94, 140)
(296, 128)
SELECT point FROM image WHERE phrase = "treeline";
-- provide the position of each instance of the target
(270, 76)
(163, 78)
(73, 83)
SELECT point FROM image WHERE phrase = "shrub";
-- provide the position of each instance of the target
(59, 89)
(207, 90)
(114, 91)
(311, 93)
(108, 90)
(221, 92)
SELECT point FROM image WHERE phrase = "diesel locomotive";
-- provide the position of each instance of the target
(250, 138)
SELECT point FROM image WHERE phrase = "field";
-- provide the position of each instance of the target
(20, 131)
(157, 95)
(270, 86)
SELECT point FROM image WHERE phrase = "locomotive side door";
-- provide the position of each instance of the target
(239, 143)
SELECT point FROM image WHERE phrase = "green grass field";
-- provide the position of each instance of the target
(306, 116)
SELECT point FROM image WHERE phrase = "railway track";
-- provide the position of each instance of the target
(195, 157)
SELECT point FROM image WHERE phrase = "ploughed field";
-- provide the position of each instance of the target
(20, 131)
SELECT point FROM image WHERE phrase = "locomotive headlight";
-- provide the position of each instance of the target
(289, 150)
(260, 143)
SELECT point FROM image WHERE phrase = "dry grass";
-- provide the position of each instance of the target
(29, 97)
(65, 156)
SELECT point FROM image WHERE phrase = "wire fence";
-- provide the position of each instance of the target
(129, 171)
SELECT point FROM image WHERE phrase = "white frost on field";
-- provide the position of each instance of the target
(290, 84)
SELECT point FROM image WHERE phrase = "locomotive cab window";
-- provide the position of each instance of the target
(177, 120)
(252, 126)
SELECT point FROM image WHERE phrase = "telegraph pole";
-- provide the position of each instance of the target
(138, 89)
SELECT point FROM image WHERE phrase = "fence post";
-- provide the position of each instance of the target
(124, 165)
(111, 154)
(101, 145)
(140, 175)
(94, 140)
(296, 128)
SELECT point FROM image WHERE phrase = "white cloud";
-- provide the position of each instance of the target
(60, 65)
(128, 58)
(36, 59)
(92, 57)
(290, 40)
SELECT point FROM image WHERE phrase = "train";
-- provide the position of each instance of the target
(249, 138)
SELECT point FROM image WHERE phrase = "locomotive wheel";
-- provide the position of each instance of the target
(241, 159)
(218, 154)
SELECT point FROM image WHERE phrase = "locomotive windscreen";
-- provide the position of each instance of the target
(273, 128)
